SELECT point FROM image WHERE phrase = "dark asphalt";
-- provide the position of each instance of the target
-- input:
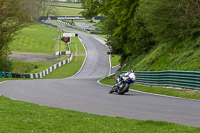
(82, 93)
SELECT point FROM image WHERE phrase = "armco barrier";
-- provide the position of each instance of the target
(5, 75)
(182, 79)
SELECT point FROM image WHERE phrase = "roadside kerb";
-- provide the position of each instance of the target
(50, 69)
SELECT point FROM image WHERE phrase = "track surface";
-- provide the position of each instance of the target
(82, 93)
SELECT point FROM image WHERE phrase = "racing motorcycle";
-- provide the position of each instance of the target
(123, 82)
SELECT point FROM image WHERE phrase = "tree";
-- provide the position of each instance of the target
(32, 7)
(47, 7)
(38, 8)
(171, 20)
(126, 30)
(13, 17)
(91, 8)
(119, 19)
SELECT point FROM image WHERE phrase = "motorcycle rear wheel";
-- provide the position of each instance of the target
(124, 89)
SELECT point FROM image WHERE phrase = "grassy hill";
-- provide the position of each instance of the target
(180, 56)
(68, 9)
(37, 38)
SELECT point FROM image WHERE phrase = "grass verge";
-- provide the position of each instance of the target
(67, 70)
(67, 11)
(76, 45)
(183, 93)
(5, 79)
(24, 117)
(115, 60)
(30, 67)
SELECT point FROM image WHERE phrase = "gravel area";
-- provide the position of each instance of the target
(33, 57)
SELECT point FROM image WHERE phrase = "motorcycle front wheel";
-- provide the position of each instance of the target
(113, 89)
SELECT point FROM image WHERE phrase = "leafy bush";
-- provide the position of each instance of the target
(5, 64)
(22, 67)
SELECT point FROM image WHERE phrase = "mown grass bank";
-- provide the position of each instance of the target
(183, 93)
(183, 56)
(36, 38)
(25, 117)
(68, 9)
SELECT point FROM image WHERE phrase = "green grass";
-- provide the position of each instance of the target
(30, 67)
(41, 66)
(76, 45)
(67, 70)
(63, 11)
(62, 72)
(36, 38)
(70, 4)
(98, 24)
(5, 79)
(25, 117)
(183, 56)
(62, 58)
(115, 60)
(62, 46)
(183, 93)
(100, 35)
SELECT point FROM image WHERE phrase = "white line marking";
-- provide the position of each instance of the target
(104, 43)
(84, 60)
(3, 82)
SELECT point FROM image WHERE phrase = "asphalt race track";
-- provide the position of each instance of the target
(81, 92)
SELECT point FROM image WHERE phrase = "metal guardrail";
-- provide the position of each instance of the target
(182, 79)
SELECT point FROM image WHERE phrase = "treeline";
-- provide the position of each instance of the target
(15, 15)
(134, 27)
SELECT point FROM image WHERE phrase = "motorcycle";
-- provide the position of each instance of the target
(123, 82)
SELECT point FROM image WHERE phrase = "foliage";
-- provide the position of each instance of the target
(13, 17)
(171, 20)
(5, 64)
(168, 56)
(127, 34)
(29, 67)
(38, 8)
(91, 8)
(152, 34)
(22, 67)
(119, 20)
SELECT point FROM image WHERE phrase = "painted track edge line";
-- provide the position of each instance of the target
(107, 49)
(2, 83)
(83, 61)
